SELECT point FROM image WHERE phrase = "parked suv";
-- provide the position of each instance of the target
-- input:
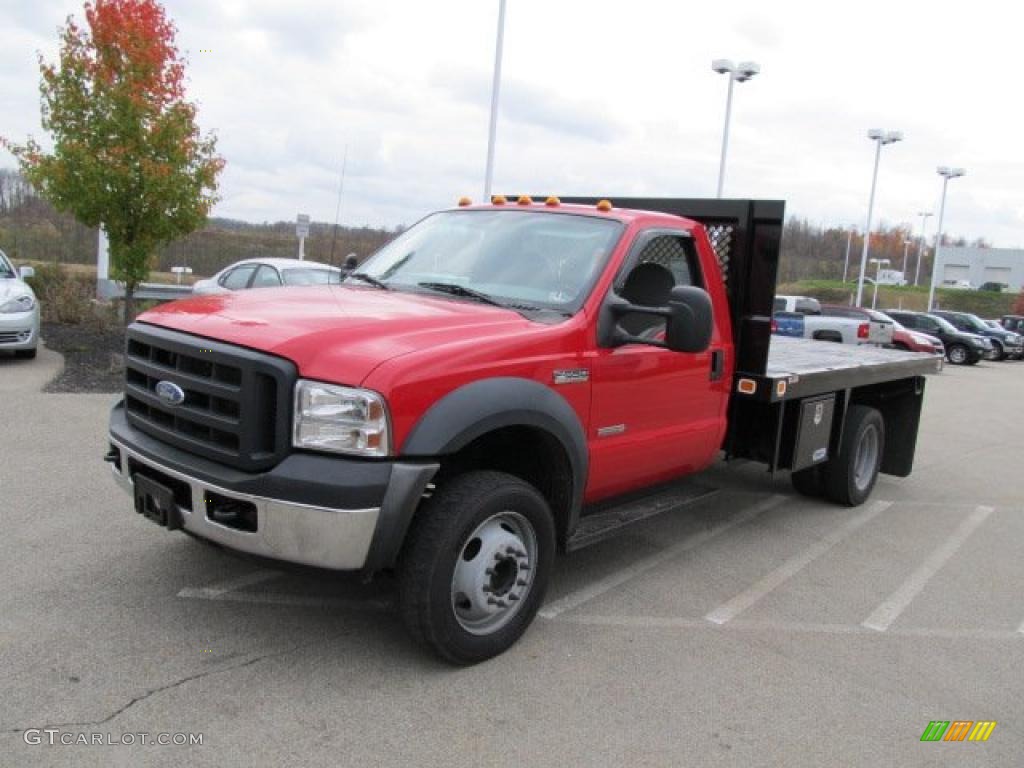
(1007, 343)
(1013, 323)
(961, 348)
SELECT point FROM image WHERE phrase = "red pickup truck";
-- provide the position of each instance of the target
(499, 382)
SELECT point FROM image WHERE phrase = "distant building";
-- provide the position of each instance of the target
(958, 267)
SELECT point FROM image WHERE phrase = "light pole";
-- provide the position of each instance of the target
(906, 248)
(878, 272)
(849, 242)
(738, 73)
(495, 93)
(946, 174)
(880, 138)
(920, 243)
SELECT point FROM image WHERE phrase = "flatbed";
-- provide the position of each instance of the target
(799, 368)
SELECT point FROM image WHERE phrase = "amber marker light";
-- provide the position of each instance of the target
(464, 201)
(524, 200)
(554, 202)
(604, 205)
(498, 200)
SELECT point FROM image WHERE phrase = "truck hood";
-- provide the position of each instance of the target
(335, 332)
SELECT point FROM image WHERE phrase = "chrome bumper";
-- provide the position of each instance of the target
(319, 536)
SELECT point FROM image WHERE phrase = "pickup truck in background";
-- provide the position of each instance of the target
(497, 383)
(804, 317)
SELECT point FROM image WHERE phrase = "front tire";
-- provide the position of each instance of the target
(850, 475)
(958, 354)
(476, 565)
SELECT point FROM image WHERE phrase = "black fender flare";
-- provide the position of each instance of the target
(473, 410)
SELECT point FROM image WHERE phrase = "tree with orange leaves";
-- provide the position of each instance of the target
(127, 152)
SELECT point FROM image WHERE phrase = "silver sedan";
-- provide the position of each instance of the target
(268, 273)
(19, 310)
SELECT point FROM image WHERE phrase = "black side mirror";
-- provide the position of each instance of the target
(351, 262)
(689, 321)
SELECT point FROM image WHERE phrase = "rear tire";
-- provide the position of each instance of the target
(808, 482)
(850, 475)
(26, 354)
(475, 566)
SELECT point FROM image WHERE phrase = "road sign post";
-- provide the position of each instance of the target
(302, 232)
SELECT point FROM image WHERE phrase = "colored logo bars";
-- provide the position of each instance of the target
(958, 730)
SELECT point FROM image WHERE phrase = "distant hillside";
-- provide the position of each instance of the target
(31, 229)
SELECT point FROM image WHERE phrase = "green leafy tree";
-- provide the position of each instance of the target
(127, 152)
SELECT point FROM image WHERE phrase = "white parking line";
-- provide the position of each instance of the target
(675, 623)
(744, 600)
(221, 588)
(885, 614)
(610, 582)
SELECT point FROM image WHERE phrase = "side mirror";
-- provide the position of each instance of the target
(688, 315)
(26, 272)
(351, 262)
(690, 319)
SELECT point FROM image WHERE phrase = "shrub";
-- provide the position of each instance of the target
(63, 297)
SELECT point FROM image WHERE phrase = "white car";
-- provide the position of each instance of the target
(19, 310)
(268, 273)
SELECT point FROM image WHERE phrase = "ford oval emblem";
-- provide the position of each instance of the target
(170, 392)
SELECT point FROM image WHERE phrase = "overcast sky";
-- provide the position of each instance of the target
(598, 98)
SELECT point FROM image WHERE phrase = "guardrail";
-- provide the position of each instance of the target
(146, 291)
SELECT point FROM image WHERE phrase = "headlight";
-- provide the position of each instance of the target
(23, 303)
(340, 420)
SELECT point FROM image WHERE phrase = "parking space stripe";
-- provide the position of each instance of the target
(620, 577)
(214, 591)
(886, 613)
(744, 600)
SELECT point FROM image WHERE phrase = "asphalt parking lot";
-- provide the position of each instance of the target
(753, 628)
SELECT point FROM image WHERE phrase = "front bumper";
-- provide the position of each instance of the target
(317, 510)
(19, 330)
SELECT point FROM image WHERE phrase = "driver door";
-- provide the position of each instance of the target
(655, 414)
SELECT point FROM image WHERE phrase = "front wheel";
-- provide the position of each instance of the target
(958, 354)
(475, 566)
(850, 475)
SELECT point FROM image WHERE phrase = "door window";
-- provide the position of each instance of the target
(266, 277)
(663, 262)
(238, 278)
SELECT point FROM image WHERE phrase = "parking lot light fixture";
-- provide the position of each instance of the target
(920, 243)
(738, 73)
(881, 138)
(946, 174)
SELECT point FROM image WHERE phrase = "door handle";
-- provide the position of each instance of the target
(717, 364)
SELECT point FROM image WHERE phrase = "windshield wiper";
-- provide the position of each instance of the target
(460, 290)
(369, 279)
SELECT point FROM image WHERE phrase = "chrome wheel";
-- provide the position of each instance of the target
(867, 458)
(958, 355)
(494, 573)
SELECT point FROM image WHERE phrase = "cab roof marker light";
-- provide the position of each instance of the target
(553, 201)
(464, 201)
(604, 205)
(524, 200)
(498, 200)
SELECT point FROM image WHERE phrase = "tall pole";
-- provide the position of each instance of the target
(846, 262)
(920, 244)
(906, 249)
(867, 227)
(725, 136)
(495, 93)
(337, 208)
(938, 242)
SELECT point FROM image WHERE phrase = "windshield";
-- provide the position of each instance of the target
(6, 269)
(975, 323)
(521, 259)
(308, 276)
(944, 324)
